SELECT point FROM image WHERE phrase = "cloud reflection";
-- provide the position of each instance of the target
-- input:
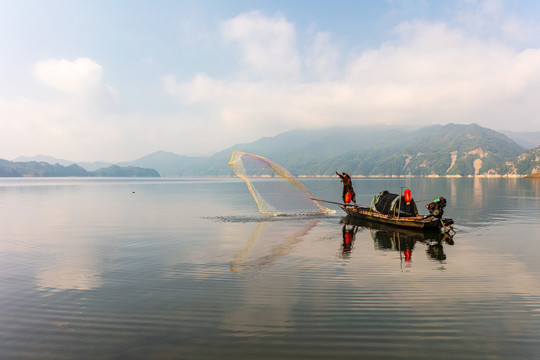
(70, 274)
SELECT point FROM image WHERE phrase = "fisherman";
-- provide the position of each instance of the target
(347, 187)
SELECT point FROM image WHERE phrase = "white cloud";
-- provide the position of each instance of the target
(492, 6)
(323, 57)
(77, 119)
(82, 78)
(430, 73)
(200, 88)
(435, 73)
(268, 45)
(427, 72)
(489, 18)
(77, 77)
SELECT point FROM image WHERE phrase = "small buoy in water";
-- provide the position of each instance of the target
(133, 192)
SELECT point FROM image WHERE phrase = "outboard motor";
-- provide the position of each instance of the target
(436, 207)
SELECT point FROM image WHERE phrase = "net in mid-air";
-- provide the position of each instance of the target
(275, 190)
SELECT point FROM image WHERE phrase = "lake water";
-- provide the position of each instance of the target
(188, 269)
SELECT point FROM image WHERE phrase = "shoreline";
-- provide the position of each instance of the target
(434, 176)
(513, 176)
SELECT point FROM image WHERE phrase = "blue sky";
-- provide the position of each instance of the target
(116, 80)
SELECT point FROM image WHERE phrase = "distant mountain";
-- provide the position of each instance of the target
(439, 150)
(91, 166)
(43, 158)
(434, 150)
(130, 171)
(370, 151)
(169, 164)
(39, 169)
(528, 140)
(300, 151)
(44, 169)
(308, 151)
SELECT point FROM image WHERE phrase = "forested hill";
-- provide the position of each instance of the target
(369, 151)
(439, 150)
(44, 169)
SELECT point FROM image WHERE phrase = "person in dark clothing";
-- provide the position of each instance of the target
(347, 187)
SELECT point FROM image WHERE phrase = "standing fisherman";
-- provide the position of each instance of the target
(347, 188)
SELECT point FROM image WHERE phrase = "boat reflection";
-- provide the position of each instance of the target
(391, 238)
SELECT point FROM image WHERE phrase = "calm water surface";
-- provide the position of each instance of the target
(188, 269)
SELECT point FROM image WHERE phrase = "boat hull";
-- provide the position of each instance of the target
(412, 222)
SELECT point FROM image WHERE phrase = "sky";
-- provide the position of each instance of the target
(117, 80)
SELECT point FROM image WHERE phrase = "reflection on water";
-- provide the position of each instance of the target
(168, 269)
(349, 233)
(274, 239)
(477, 198)
(266, 244)
(404, 241)
(69, 274)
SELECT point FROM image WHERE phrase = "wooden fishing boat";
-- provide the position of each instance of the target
(428, 222)
(400, 211)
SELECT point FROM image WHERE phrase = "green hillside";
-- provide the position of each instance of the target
(439, 150)
(129, 171)
(39, 169)
(369, 151)
(44, 169)
(526, 163)
(435, 150)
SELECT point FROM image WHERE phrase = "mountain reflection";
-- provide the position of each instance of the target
(391, 238)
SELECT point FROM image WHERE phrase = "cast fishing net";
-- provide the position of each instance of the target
(275, 190)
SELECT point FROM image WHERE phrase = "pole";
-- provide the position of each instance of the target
(331, 202)
(399, 206)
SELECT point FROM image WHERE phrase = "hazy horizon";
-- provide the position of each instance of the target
(44, 157)
(111, 81)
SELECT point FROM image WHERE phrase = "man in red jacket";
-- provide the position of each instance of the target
(347, 188)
